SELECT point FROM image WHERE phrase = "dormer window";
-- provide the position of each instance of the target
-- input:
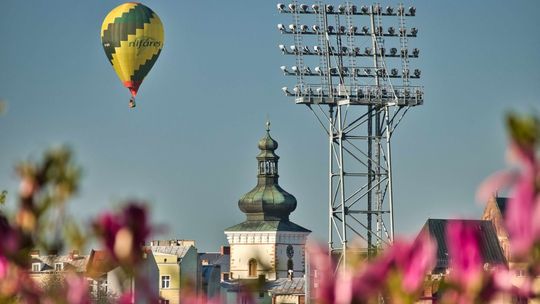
(36, 267)
(58, 266)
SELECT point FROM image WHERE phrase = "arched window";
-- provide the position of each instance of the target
(252, 266)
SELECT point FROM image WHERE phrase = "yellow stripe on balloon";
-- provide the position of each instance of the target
(115, 13)
(126, 60)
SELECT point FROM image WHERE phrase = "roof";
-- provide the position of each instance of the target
(216, 258)
(501, 204)
(287, 286)
(282, 286)
(69, 262)
(99, 263)
(179, 251)
(268, 226)
(489, 243)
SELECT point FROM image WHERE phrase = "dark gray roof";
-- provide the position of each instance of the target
(283, 286)
(216, 258)
(501, 204)
(268, 226)
(179, 251)
(489, 243)
(287, 286)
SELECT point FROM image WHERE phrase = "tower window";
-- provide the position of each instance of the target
(252, 268)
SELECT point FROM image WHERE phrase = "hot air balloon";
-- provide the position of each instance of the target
(132, 37)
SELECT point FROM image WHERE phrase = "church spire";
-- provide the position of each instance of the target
(267, 201)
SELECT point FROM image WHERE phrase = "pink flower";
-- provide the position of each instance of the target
(124, 233)
(322, 266)
(465, 257)
(77, 290)
(415, 260)
(4, 265)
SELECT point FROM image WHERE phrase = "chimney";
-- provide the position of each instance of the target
(34, 253)
(225, 250)
(74, 254)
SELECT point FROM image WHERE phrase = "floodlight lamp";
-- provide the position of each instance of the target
(329, 8)
(391, 31)
(344, 70)
(342, 29)
(341, 8)
(352, 9)
(286, 91)
(400, 11)
(292, 27)
(315, 28)
(417, 73)
(404, 52)
(292, 7)
(280, 7)
(294, 49)
(317, 49)
(294, 69)
(304, 7)
(344, 49)
(306, 50)
(315, 8)
(412, 11)
(367, 51)
(319, 91)
(357, 51)
(405, 72)
(377, 9)
(367, 71)
(414, 31)
(296, 89)
(359, 92)
(284, 69)
(353, 29)
(303, 28)
(282, 48)
(406, 93)
(318, 70)
(416, 52)
(389, 10)
(394, 72)
(364, 9)
(307, 70)
(333, 71)
(281, 27)
(365, 29)
(330, 29)
(378, 30)
(402, 31)
(393, 51)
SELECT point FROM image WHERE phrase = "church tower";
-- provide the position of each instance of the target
(267, 242)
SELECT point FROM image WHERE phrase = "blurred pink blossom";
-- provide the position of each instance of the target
(77, 289)
(465, 258)
(415, 260)
(125, 232)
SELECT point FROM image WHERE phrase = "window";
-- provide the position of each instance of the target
(252, 268)
(36, 267)
(58, 266)
(162, 301)
(165, 281)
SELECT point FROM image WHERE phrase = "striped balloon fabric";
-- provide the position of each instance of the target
(132, 37)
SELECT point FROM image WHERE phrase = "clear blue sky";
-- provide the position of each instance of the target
(190, 145)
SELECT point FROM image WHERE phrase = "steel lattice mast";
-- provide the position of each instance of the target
(359, 100)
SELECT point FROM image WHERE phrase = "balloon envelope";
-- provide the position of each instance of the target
(132, 37)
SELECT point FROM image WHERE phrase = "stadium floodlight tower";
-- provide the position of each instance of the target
(354, 75)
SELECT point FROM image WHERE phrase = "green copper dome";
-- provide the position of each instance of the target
(267, 201)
